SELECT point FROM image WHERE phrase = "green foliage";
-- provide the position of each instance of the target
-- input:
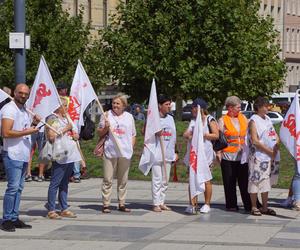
(192, 47)
(60, 38)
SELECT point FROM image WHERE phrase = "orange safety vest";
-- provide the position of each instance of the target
(234, 138)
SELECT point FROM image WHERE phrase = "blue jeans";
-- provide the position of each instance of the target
(296, 185)
(60, 176)
(76, 170)
(15, 175)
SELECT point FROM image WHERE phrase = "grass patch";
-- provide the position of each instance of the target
(95, 164)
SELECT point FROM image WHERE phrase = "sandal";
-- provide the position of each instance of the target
(68, 214)
(156, 209)
(122, 208)
(269, 211)
(164, 207)
(255, 212)
(53, 215)
(106, 210)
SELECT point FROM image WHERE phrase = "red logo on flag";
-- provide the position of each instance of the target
(193, 160)
(298, 152)
(73, 107)
(40, 94)
(290, 124)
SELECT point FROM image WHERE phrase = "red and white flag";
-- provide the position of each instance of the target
(81, 95)
(290, 130)
(44, 98)
(199, 168)
(152, 149)
(3, 96)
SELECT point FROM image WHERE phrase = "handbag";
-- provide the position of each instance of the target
(221, 142)
(46, 154)
(60, 148)
(99, 149)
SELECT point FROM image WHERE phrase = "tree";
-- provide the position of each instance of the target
(193, 48)
(60, 38)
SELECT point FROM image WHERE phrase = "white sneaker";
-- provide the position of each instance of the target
(288, 202)
(190, 210)
(205, 209)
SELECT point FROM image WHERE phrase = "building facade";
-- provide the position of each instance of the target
(286, 15)
(96, 12)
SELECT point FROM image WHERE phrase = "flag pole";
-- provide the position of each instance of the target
(113, 135)
(33, 114)
(163, 156)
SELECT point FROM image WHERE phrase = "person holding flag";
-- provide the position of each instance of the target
(119, 128)
(290, 137)
(209, 132)
(263, 153)
(17, 126)
(159, 147)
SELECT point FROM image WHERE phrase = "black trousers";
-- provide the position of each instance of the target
(232, 172)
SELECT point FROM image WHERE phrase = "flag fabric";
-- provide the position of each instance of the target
(152, 149)
(3, 96)
(44, 98)
(290, 130)
(199, 168)
(81, 95)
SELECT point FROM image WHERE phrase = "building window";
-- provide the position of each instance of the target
(288, 40)
(89, 10)
(105, 12)
(298, 41)
(288, 6)
(76, 8)
(293, 41)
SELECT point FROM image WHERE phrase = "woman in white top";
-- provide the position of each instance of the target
(211, 132)
(264, 145)
(62, 168)
(119, 127)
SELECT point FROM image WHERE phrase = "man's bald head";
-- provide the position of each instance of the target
(21, 93)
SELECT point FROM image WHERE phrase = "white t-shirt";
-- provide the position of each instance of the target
(168, 128)
(18, 148)
(266, 134)
(123, 127)
(209, 151)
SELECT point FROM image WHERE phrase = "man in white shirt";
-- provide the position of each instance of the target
(17, 126)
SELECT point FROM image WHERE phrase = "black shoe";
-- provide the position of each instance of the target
(20, 224)
(8, 226)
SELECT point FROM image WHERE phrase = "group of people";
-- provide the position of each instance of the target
(250, 158)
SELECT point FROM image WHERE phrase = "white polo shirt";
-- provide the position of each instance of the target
(18, 148)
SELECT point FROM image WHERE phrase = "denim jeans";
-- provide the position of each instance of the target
(60, 176)
(15, 175)
(296, 185)
(76, 170)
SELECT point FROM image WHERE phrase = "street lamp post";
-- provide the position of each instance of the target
(20, 54)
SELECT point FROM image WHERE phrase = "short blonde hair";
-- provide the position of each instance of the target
(232, 101)
(122, 97)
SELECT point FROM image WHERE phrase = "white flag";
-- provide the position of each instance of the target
(3, 96)
(152, 147)
(290, 130)
(199, 168)
(81, 95)
(44, 98)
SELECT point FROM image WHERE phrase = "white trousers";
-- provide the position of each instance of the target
(159, 184)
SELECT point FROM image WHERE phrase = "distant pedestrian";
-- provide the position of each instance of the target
(138, 114)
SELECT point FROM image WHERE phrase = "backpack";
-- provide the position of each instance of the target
(87, 131)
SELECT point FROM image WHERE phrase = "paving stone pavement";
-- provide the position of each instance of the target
(144, 229)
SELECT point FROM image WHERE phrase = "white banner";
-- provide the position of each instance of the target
(44, 98)
(290, 130)
(81, 95)
(152, 149)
